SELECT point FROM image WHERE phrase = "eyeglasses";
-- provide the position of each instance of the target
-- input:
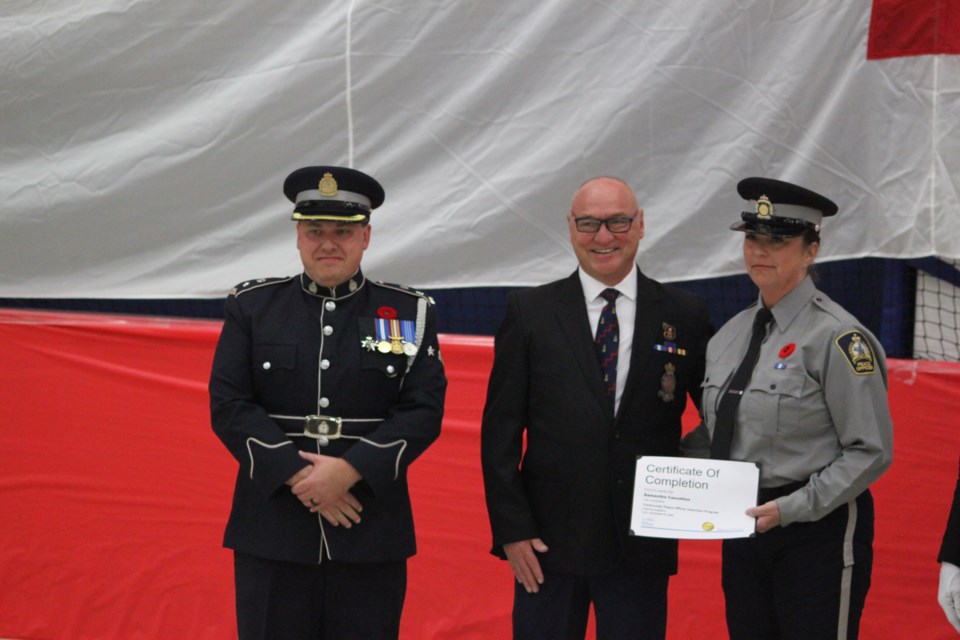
(616, 224)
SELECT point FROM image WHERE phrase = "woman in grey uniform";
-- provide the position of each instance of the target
(799, 386)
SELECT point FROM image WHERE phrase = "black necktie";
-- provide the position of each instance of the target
(727, 412)
(607, 343)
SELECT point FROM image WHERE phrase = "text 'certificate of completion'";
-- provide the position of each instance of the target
(693, 498)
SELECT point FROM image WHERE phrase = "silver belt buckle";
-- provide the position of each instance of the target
(323, 427)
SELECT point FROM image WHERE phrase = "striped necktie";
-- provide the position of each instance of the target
(607, 343)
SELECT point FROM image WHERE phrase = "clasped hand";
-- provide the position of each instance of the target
(324, 487)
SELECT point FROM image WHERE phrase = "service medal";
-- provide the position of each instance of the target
(384, 339)
(669, 332)
(669, 340)
(668, 383)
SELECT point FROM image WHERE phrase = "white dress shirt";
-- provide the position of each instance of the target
(626, 316)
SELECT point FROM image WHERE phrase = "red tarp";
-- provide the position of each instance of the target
(114, 492)
(913, 28)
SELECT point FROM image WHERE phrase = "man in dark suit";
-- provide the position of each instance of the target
(325, 387)
(586, 403)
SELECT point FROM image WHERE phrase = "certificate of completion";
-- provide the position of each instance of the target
(693, 498)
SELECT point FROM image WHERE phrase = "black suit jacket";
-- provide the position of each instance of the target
(557, 464)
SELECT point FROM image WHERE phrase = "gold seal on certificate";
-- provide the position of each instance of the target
(693, 498)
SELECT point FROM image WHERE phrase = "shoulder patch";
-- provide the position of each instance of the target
(857, 351)
(250, 285)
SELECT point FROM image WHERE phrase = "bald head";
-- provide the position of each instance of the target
(605, 182)
(605, 255)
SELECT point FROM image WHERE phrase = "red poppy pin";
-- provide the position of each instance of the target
(388, 313)
(788, 350)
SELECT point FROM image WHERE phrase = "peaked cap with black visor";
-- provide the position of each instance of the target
(338, 194)
(781, 209)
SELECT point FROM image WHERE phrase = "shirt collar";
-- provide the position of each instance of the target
(790, 305)
(592, 288)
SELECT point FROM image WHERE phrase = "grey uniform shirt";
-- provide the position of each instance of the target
(815, 409)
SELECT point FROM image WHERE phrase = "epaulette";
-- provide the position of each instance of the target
(403, 289)
(250, 285)
(831, 308)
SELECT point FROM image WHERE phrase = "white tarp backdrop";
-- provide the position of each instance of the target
(143, 145)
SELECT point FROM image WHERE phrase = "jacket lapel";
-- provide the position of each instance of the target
(646, 332)
(575, 325)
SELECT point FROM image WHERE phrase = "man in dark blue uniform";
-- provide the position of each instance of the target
(325, 387)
